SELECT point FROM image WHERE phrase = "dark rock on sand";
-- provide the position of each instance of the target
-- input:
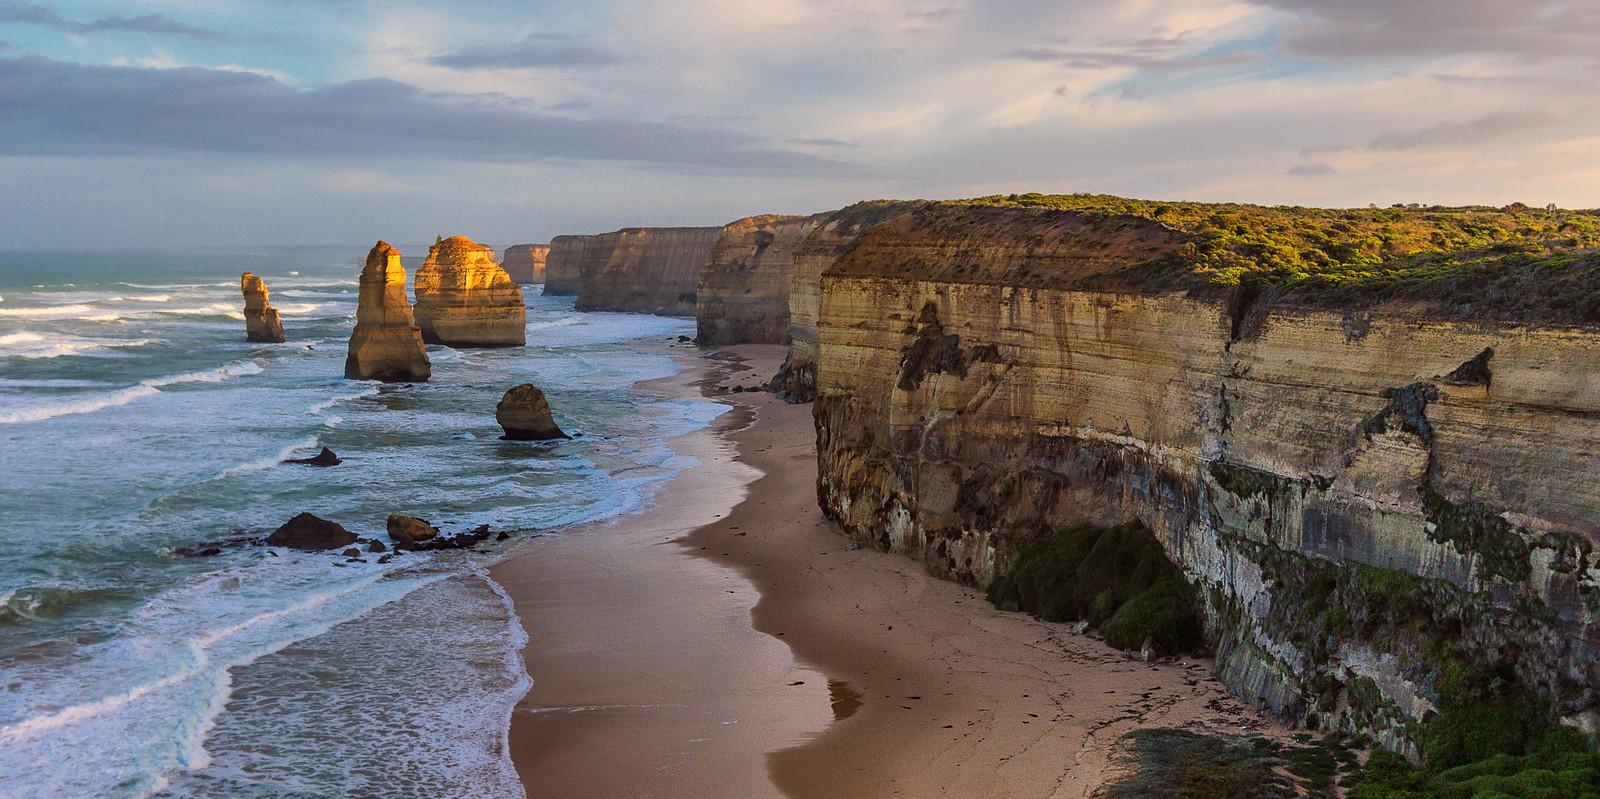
(323, 458)
(525, 415)
(409, 532)
(311, 533)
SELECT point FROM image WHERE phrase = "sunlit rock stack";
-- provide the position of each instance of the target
(743, 293)
(563, 266)
(464, 298)
(386, 344)
(524, 414)
(525, 263)
(1367, 438)
(650, 270)
(261, 321)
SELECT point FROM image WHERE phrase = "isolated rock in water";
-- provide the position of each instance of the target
(409, 531)
(525, 262)
(323, 458)
(309, 532)
(525, 415)
(464, 298)
(386, 344)
(261, 321)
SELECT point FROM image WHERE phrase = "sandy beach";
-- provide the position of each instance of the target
(728, 642)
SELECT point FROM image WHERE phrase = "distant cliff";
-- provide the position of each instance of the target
(1367, 438)
(563, 266)
(651, 270)
(743, 294)
(525, 263)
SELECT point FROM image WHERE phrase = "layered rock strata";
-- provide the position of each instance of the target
(743, 293)
(646, 270)
(525, 263)
(464, 298)
(1365, 493)
(261, 321)
(386, 344)
(563, 266)
(829, 239)
(524, 414)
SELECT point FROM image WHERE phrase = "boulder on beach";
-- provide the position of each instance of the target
(323, 458)
(261, 322)
(386, 344)
(409, 531)
(311, 533)
(524, 414)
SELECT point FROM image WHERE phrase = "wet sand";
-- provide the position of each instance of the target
(729, 642)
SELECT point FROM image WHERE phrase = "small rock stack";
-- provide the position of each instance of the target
(525, 415)
(261, 321)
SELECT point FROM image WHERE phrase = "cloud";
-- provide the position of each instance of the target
(824, 142)
(1532, 30)
(1474, 131)
(56, 108)
(1141, 57)
(145, 23)
(535, 51)
(1312, 169)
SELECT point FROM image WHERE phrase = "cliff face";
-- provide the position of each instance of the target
(563, 267)
(831, 237)
(743, 294)
(465, 299)
(261, 321)
(386, 345)
(525, 263)
(649, 270)
(1363, 497)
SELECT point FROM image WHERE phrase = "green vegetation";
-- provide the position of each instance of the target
(1513, 264)
(1116, 578)
(1178, 764)
(1508, 759)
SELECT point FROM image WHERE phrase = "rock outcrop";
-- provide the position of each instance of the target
(524, 414)
(261, 321)
(831, 238)
(308, 532)
(324, 458)
(525, 262)
(743, 294)
(464, 298)
(563, 267)
(646, 270)
(386, 344)
(1371, 475)
(408, 532)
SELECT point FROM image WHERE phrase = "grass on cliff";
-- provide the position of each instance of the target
(1116, 578)
(1514, 263)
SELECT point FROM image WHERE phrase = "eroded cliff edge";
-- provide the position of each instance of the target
(744, 288)
(563, 265)
(1368, 438)
(648, 270)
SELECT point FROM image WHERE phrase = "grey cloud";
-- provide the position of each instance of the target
(145, 23)
(932, 15)
(56, 108)
(1138, 58)
(1531, 30)
(1475, 131)
(825, 142)
(1313, 169)
(536, 51)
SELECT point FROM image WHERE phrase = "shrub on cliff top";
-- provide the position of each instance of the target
(1116, 578)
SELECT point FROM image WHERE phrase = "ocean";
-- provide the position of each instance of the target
(136, 423)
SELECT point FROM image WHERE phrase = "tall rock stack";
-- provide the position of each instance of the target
(261, 321)
(743, 295)
(525, 262)
(464, 298)
(386, 344)
(563, 267)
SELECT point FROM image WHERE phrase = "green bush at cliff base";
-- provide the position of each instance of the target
(1550, 763)
(1116, 578)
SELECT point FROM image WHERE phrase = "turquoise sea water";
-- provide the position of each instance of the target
(135, 421)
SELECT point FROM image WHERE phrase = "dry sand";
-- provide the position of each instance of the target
(729, 642)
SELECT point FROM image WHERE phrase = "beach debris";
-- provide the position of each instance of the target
(525, 415)
(324, 458)
(308, 532)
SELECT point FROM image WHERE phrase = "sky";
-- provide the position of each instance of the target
(193, 123)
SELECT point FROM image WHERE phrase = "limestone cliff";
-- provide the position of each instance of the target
(261, 321)
(525, 263)
(386, 345)
(743, 294)
(649, 270)
(1374, 470)
(464, 298)
(563, 267)
(829, 238)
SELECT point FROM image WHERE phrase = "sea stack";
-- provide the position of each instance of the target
(525, 415)
(464, 298)
(525, 262)
(386, 344)
(261, 321)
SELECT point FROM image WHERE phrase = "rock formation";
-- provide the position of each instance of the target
(832, 237)
(525, 262)
(1372, 471)
(407, 532)
(743, 294)
(525, 415)
(648, 270)
(261, 321)
(324, 458)
(386, 345)
(464, 298)
(563, 267)
(308, 532)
